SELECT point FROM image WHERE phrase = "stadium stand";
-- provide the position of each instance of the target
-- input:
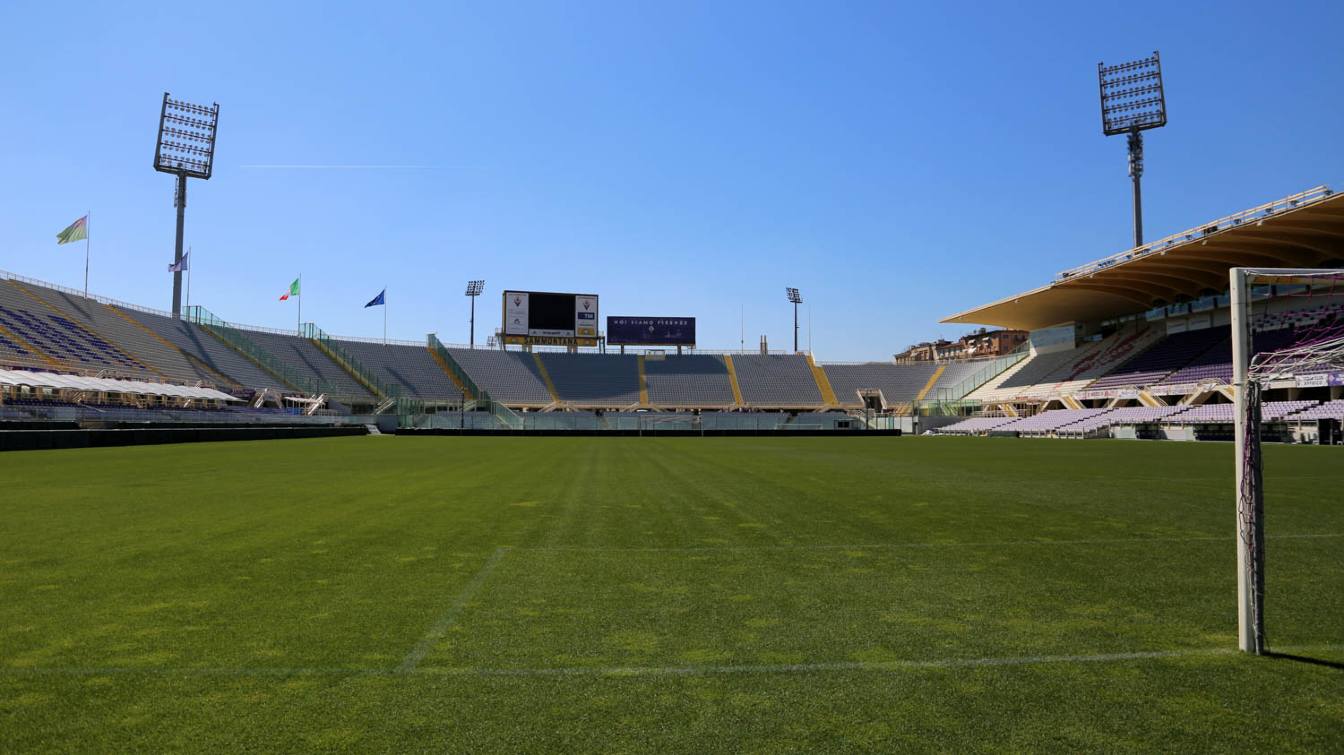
(199, 344)
(974, 425)
(1128, 415)
(39, 336)
(1059, 373)
(508, 376)
(410, 368)
(1164, 358)
(1202, 414)
(132, 338)
(606, 380)
(688, 380)
(776, 380)
(1328, 410)
(954, 375)
(898, 382)
(302, 354)
(1049, 422)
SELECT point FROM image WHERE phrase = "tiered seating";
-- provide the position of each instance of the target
(974, 425)
(594, 379)
(898, 382)
(410, 369)
(194, 340)
(1048, 422)
(1203, 414)
(1328, 410)
(1302, 317)
(508, 376)
(302, 355)
(1168, 356)
(1274, 411)
(155, 354)
(15, 355)
(58, 337)
(1064, 372)
(688, 380)
(776, 380)
(1129, 415)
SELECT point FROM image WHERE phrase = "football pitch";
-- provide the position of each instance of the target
(663, 594)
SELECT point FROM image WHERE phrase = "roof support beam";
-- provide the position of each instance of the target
(1315, 252)
(1133, 294)
(1240, 257)
(1134, 282)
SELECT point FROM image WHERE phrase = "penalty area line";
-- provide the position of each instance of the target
(450, 616)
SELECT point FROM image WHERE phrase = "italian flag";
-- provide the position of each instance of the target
(293, 290)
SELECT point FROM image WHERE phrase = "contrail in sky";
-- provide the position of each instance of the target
(330, 166)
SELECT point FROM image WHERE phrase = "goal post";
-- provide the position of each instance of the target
(1250, 373)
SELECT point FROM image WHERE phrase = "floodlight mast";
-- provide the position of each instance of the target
(185, 148)
(1133, 101)
(474, 289)
(796, 298)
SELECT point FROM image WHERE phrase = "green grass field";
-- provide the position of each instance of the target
(780, 594)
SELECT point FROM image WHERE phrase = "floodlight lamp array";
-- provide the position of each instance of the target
(186, 143)
(474, 288)
(1132, 97)
(793, 295)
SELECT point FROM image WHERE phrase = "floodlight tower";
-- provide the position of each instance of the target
(1132, 101)
(797, 299)
(474, 289)
(185, 148)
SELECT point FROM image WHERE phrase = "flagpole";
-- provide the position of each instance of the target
(298, 326)
(188, 277)
(88, 221)
(384, 316)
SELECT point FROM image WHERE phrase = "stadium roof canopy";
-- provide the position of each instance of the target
(58, 381)
(1303, 230)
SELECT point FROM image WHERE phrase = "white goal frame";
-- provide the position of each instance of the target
(1249, 489)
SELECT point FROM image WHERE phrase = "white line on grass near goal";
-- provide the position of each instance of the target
(618, 671)
(450, 616)
(895, 546)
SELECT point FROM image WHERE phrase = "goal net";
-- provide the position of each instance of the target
(1291, 347)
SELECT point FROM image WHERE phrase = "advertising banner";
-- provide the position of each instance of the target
(651, 331)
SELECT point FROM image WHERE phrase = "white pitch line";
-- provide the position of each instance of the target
(895, 546)
(619, 671)
(450, 616)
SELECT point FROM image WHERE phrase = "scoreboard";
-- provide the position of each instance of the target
(542, 317)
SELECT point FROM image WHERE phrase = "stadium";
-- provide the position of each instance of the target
(1133, 345)
(1107, 520)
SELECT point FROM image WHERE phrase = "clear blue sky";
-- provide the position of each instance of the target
(898, 162)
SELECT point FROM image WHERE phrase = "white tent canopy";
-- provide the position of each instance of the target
(108, 385)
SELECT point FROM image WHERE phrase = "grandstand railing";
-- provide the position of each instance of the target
(234, 337)
(456, 369)
(5, 275)
(1291, 202)
(992, 368)
(333, 349)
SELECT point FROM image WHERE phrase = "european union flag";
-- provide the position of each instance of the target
(377, 300)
